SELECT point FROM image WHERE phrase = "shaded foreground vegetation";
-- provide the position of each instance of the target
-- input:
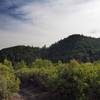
(62, 81)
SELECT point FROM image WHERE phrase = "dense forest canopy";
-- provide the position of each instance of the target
(76, 46)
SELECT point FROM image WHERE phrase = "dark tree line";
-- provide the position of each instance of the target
(76, 46)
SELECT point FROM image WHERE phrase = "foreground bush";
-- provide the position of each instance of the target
(9, 84)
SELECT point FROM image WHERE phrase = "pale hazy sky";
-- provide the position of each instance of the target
(43, 22)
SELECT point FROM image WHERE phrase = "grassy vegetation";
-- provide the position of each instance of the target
(63, 81)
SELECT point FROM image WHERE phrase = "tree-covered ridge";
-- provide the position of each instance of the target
(19, 53)
(76, 46)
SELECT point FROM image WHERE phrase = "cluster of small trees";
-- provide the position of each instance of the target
(69, 81)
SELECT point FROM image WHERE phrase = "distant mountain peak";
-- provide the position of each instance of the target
(78, 36)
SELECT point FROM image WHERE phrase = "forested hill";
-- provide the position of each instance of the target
(75, 46)
(19, 53)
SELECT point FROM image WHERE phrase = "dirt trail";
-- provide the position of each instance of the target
(30, 94)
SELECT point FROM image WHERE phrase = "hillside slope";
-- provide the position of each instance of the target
(76, 46)
(19, 53)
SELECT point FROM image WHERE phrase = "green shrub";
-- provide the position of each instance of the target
(9, 84)
(42, 63)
